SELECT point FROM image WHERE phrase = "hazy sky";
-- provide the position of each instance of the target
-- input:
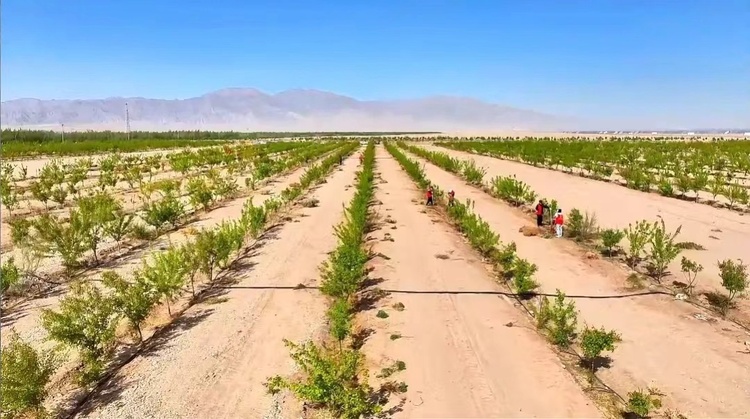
(682, 63)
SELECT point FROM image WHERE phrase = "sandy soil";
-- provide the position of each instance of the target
(217, 368)
(461, 358)
(699, 365)
(724, 234)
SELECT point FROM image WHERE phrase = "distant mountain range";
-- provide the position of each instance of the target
(292, 110)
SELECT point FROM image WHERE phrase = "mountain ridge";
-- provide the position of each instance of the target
(293, 109)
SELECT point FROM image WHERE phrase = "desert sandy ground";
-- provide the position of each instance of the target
(665, 344)
(469, 350)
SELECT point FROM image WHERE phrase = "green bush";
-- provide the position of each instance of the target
(26, 373)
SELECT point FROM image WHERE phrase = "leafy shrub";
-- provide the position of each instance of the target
(330, 380)
(92, 216)
(611, 238)
(166, 274)
(134, 300)
(26, 373)
(9, 275)
(512, 190)
(506, 257)
(86, 319)
(691, 270)
(57, 237)
(733, 277)
(523, 281)
(638, 236)
(595, 341)
(167, 210)
(663, 248)
(582, 227)
(559, 319)
(472, 173)
(382, 314)
(643, 402)
(340, 317)
(200, 193)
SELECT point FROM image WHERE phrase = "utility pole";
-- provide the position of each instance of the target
(62, 133)
(127, 120)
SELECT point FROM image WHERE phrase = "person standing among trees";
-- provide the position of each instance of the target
(430, 196)
(540, 207)
(558, 222)
(451, 198)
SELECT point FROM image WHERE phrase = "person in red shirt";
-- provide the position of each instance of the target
(540, 207)
(558, 222)
(451, 198)
(429, 196)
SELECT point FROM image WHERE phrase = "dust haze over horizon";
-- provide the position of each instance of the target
(300, 65)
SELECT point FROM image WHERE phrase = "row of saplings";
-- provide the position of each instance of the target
(101, 216)
(333, 372)
(559, 319)
(653, 244)
(87, 319)
(648, 242)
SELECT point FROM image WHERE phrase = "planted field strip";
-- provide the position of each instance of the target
(24, 319)
(234, 340)
(334, 375)
(687, 170)
(721, 234)
(167, 210)
(455, 308)
(660, 337)
(223, 239)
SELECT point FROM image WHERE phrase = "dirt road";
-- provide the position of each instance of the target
(724, 234)
(217, 368)
(462, 360)
(698, 364)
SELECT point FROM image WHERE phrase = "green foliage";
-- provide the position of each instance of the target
(134, 300)
(733, 277)
(691, 270)
(26, 373)
(472, 173)
(582, 227)
(559, 319)
(663, 248)
(200, 193)
(523, 273)
(167, 210)
(340, 317)
(330, 380)
(86, 320)
(611, 238)
(93, 215)
(643, 402)
(9, 275)
(506, 257)
(69, 240)
(381, 314)
(512, 190)
(638, 236)
(166, 274)
(595, 341)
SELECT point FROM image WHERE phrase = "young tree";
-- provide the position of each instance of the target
(66, 239)
(559, 320)
(26, 373)
(166, 274)
(638, 236)
(134, 300)
(663, 248)
(611, 238)
(691, 270)
(594, 342)
(93, 214)
(733, 277)
(86, 319)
